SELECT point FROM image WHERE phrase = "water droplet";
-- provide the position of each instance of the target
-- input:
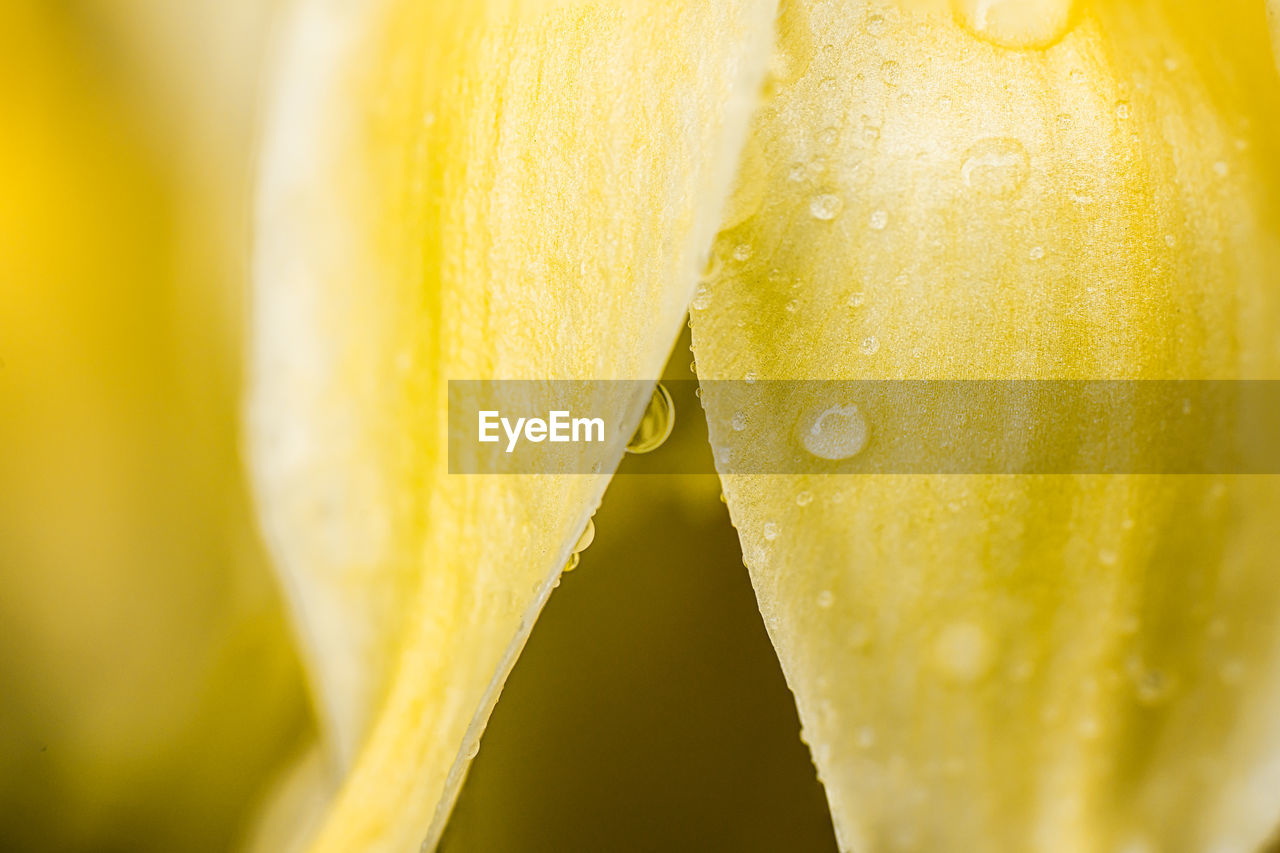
(693, 367)
(997, 166)
(797, 173)
(870, 134)
(804, 498)
(1153, 687)
(829, 136)
(751, 378)
(857, 300)
(1015, 24)
(792, 306)
(770, 530)
(1123, 110)
(879, 220)
(1037, 253)
(963, 652)
(656, 425)
(1170, 240)
(584, 542)
(826, 598)
(860, 637)
(870, 345)
(739, 421)
(826, 206)
(1232, 672)
(835, 433)
(743, 252)
(701, 299)
(875, 25)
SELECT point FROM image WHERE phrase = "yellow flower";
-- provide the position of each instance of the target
(891, 190)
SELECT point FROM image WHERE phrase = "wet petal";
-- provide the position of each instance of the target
(1071, 663)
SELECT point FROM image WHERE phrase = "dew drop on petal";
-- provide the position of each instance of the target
(835, 433)
(826, 206)
(879, 220)
(1015, 24)
(997, 166)
(656, 424)
(963, 652)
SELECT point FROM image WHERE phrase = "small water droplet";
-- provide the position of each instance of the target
(835, 433)
(770, 531)
(870, 345)
(826, 598)
(751, 378)
(701, 298)
(996, 166)
(1170, 240)
(797, 173)
(1123, 110)
(963, 652)
(1037, 253)
(743, 252)
(829, 136)
(1232, 672)
(860, 637)
(693, 367)
(879, 220)
(804, 498)
(584, 542)
(791, 306)
(656, 424)
(870, 134)
(1153, 687)
(826, 206)
(739, 421)
(875, 25)
(857, 300)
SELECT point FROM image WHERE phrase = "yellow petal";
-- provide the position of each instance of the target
(1074, 663)
(462, 191)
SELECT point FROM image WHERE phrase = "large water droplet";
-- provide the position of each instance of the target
(835, 433)
(1015, 24)
(656, 425)
(996, 166)
(963, 652)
